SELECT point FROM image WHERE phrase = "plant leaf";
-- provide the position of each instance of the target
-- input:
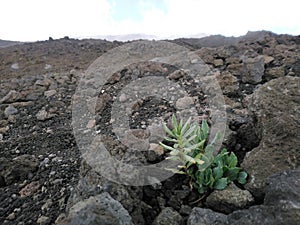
(232, 160)
(195, 146)
(218, 172)
(189, 159)
(174, 124)
(199, 161)
(168, 130)
(186, 126)
(242, 177)
(167, 147)
(216, 138)
(220, 184)
(173, 158)
(174, 152)
(170, 139)
(175, 171)
(189, 131)
(205, 129)
(232, 173)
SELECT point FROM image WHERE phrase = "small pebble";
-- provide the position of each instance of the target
(11, 216)
(43, 220)
(52, 156)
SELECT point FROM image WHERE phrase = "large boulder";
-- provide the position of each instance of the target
(201, 216)
(229, 199)
(253, 70)
(276, 108)
(280, 207)
(100, 209)
(168, 216)
(281, 203)
(17, 169)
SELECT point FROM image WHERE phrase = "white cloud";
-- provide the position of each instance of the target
(37, 19)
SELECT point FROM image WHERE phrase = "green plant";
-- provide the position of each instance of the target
(196, 157)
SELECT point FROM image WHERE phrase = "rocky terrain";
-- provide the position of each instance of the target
(45, 180)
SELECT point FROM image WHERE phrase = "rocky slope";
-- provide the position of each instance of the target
(44, 180)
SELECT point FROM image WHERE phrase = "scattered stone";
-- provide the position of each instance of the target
(283, 189)
(3, 130)
(47, 67)
(43, 115)
(15, 66)
(11, 216)
(218, 62)
(10, 110)
(278, 128)
(229, 199)
(168, 216)
(43, 220)
(185, 103)
(275, 72)
(281, 204)
(253, 70)
(185, 210)
(3, 123)
(45, 82)
(47, 205)
(50, 93)
(201, 216)
(12, 96)
(156, 133)
(123, 98)
(268, 59)
(100, 209)
(176, 75)
(12, 119)
(91, 124)
(158, 149)
(18, 168)
(29, 189)
(228, 83)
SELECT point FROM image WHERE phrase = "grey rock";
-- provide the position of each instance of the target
(268, 59)
(168, 216)
(177, 75)
(278, 128)
(229, 199)
(274, 72)
(201, 216)
(281, 204)
(15, 66)
(43, 115)
(184, 103)
(18, 168)
(247, 136)
(228, 83)
(10, 110)
(185, 210)
(218, 62)
(50, 93)
(283, 188)
(43, 220)
(12, 96)
(100, 209)
(253, 70)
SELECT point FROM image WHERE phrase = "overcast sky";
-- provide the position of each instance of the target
(31, 20)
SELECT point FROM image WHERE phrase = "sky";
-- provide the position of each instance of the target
(32, 20)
